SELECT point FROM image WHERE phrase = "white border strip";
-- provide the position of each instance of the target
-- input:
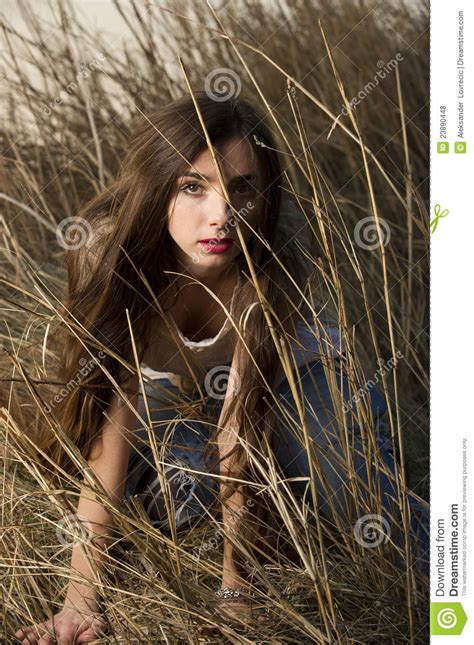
(452, 354)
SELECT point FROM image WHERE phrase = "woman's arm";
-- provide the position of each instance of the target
(234, 505)
(109, 460)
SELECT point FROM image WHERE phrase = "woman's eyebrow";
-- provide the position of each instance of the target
(197, 175)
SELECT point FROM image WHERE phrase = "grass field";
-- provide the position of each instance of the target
(347, 88)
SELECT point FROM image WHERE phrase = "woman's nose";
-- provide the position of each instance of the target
(219, 210)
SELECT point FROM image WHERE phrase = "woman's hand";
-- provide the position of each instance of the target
(71, 625)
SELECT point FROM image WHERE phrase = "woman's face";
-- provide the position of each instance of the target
(198, 210)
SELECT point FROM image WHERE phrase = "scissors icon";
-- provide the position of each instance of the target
(438, 215)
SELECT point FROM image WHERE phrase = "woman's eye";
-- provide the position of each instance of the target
(244, 188)
(193, 188)
(185, 188)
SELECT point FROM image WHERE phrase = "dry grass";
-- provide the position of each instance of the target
(372, 162)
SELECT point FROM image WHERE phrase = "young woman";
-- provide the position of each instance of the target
(196, 272)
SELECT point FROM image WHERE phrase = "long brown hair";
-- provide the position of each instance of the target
(130, 239)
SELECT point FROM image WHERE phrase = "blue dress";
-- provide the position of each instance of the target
(181, 441)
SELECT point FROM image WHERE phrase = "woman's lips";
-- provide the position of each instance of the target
(216, 245)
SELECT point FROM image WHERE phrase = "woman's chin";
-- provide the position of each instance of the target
(213, 258)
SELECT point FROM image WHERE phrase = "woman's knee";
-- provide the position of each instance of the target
(329, 409)
(331, 423)
(189, 492)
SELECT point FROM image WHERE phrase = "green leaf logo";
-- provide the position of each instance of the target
(438, 215)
